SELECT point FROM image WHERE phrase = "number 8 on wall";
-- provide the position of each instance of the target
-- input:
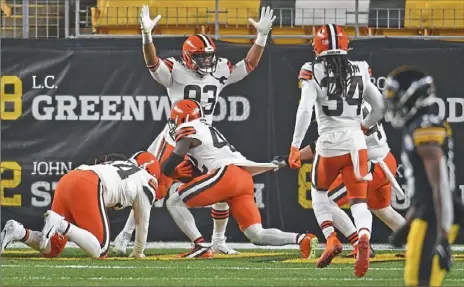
(11, 92)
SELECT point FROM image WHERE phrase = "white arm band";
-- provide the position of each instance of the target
(304, 113)
(373, 96)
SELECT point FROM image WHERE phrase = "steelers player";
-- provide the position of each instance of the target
(427, 157)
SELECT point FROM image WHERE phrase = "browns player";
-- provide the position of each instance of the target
(337, 87)
(229, 178)
(78, 211)
(382, 166)
(429, 169)
(200, 75)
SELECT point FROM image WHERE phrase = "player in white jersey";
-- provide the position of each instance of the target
(337, 87)
(382, 166)
(229, 178)
(198, 75)
(78, 211)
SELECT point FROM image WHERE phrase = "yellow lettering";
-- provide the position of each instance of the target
(14, 200)
(15, 97)
(304, 186)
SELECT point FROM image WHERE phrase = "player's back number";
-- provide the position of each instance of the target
(352, 98)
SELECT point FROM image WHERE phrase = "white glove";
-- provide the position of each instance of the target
(265, 22)
(146, 23)
(133, 255)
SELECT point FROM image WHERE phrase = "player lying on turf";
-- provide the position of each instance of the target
(79, 205)
(229, 178)
(336, 87)
(382, 166)
(200, 75)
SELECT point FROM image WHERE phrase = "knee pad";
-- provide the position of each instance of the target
(57, 244)
(253, 233)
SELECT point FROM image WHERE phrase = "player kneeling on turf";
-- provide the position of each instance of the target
(228, 178)
(81, 199)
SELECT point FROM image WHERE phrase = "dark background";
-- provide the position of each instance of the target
(116, 67)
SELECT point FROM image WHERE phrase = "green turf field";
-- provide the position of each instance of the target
(162, 267)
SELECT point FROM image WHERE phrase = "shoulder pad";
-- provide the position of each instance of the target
(170, 63)
(306, 72)
(187, 130)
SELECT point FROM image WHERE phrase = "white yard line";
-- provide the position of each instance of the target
(243, 246)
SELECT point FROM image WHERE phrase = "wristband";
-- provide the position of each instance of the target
(146, 38)
(261, 40)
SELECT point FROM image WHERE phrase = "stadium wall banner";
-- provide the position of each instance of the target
(65, 102)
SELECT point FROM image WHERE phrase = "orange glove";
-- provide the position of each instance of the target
(183, 170)
(294, 160)
(365, 130)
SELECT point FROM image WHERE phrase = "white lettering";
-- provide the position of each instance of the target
(65, 106)
(441, 107)
(41, 193)
(88, 106)
(36, 111)
(461, 187)
(65, 168)
(157, 110)
(46, 82)
(136, 109)
(110, 107)
(34, 84)
(400, 205)
(221, 106)
(453, 117)
(53, 166)
(42, 168)
(234, 101)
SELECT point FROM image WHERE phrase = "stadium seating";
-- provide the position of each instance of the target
(443, 14)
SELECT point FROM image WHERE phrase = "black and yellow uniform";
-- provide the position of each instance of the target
(422, 268)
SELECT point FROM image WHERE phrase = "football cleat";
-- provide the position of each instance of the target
(362, 260)
(199, 250)
(121, 242)
(333, 248)
(308, 246)
(52, 224)
(354, 252)
(220, 246)
(10, 233)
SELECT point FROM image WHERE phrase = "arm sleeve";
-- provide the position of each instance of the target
(305, 111)
(163, 73)
(142, 208)
(373, 96)
(238, 71)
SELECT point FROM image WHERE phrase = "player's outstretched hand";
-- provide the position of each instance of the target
(294, 159)
(265, 22)
(183, 170)
(146, 23)
(443, 250)
(133, 255)
(399, 237)
(280, 161)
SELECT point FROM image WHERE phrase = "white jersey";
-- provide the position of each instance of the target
(214, 151)
(124, 184)
(339, 118)
(183, 83)
(122, 181)
(376, 139)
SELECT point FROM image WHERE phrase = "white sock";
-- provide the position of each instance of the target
(390, 217)
(130, 223)
(323, 211)
(84, 240)
(32, 239)
(220, 215)
(362, 219)
(271, 236)
(183, 217)
(343, 223)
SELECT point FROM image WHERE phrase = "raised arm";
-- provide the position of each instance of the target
(160, 70)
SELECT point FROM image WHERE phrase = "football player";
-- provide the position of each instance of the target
(427, 157)
(382, 166)
(229, 178)
(201, 75)
(337, 87)
(79, 206)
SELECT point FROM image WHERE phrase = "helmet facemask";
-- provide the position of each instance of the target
(205, 62)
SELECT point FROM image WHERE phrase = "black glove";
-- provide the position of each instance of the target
(399, 237)
(443, 250)
(280, 160)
